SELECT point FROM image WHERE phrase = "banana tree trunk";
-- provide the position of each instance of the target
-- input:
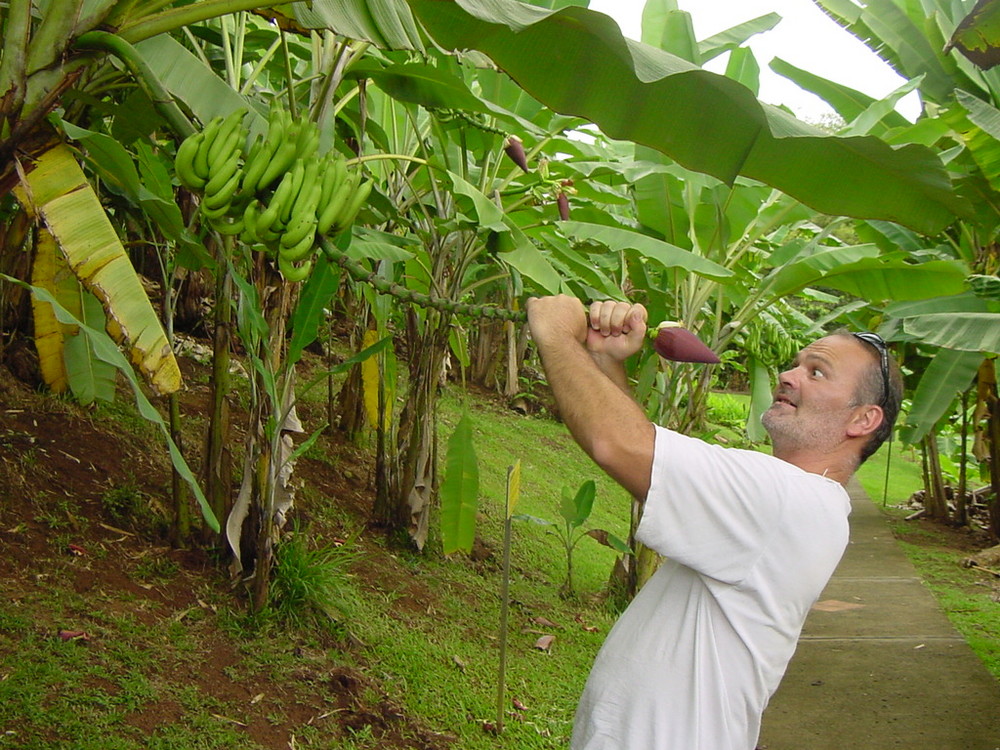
(217, 469)
(935, 503)
(988, 394)
(961, 495)
(270, 494)
(411, 483)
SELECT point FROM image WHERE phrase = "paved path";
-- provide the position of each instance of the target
(879, 665)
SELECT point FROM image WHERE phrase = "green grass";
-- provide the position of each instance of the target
(424, 627)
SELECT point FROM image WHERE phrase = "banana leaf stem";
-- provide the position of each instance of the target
(150, 84)
(185, 15)
(359, 273)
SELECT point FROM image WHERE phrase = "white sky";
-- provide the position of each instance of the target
(805, 37)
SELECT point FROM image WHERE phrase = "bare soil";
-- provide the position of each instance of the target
(58, 465)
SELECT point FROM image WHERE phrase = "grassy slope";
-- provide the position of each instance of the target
(548, 684)
(424, 627)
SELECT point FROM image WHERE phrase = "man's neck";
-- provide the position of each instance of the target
(838, 466)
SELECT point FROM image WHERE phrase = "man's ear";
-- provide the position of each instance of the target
(865, 421)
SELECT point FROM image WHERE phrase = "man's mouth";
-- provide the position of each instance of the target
(782, 399)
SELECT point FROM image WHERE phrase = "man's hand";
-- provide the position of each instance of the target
(556, 320)
(616, 330)
(582, 353)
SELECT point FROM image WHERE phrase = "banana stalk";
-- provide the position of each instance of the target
(359, 273)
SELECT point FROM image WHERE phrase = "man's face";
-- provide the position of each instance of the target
(813, 402)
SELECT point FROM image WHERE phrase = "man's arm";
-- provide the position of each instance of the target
(582, 355)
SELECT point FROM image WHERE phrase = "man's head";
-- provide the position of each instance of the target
(883, 386)
(837, 402)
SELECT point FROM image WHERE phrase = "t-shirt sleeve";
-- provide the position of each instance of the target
(711, 508)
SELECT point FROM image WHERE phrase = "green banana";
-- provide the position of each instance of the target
(184, 162)
(334, 172)
(250, 215)
(307, 196)
(223, 196)
(283, 197)
(300, 251)
(201, 162)
(329, 213)
(271, 215)
(214, 213)
(292, 272)
(307, 139)
(352, 207)
(272, 142)
(253, 166)
(350, 188)
(269, 237)
(230, 134)
(221, 175)
(297, 229)
(303, 223)
(226, 152)
(233, 227)
(297, 173)
(279, 164)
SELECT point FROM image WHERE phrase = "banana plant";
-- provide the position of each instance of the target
(574, 510)
(684, 108)
(921, 42)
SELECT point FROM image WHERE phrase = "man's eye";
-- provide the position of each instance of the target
(817, 373)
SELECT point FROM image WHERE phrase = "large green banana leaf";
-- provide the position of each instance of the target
(576, 61)
(57, 191)
(949, 374)
(971, 332)
(902, 41)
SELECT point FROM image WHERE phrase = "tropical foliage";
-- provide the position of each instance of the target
(497, 171)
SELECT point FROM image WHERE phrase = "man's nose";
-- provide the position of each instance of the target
(789, 377)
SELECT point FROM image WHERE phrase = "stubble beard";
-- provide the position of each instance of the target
(790, 433)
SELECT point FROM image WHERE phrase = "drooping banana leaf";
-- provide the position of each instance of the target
(90, 377)
(624, 240)
(902, 41)
(847, 102)
(860, 270)
(735, 36)
(106, 350)
(704, 121)
(189, 80)
(57, 192)
(978, 35)
(980, 130)
(55, 277)
(950, 373)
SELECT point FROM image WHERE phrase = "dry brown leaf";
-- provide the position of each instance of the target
(545, 642)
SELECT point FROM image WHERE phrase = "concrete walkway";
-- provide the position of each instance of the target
(879, 665)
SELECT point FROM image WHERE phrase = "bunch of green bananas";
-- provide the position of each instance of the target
(209, 162)
(278, 194)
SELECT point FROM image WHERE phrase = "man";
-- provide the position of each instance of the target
(750, 540)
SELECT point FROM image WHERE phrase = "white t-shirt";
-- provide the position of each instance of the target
(750, 542)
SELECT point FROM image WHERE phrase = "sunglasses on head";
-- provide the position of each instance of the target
(873, 339)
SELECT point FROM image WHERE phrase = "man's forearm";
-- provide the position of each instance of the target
(613, 369)
(592, 395)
